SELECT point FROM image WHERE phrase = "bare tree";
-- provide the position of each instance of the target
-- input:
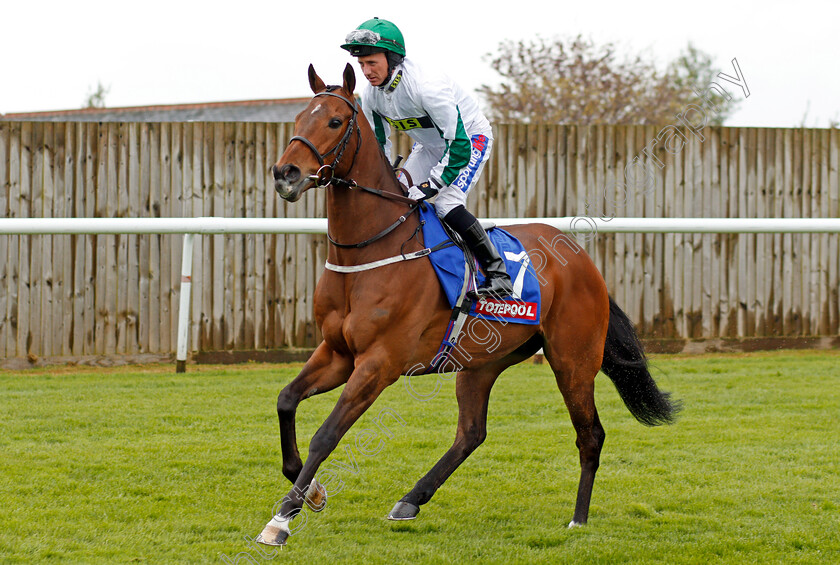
(578, 82)
(96, 98)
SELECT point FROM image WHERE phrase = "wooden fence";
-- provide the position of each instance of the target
(103, 295)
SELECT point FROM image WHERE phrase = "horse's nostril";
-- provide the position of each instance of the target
(275, 172)
(290, 173)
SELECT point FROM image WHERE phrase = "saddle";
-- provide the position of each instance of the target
(458, 273)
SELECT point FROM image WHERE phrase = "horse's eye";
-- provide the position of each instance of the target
(335, 123)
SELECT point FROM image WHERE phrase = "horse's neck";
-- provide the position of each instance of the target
(355, 215)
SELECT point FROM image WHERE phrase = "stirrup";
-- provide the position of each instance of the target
(497, 287)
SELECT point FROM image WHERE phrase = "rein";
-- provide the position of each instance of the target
(378, 236)
(326, 173)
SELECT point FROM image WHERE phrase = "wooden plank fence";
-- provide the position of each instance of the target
(74, 295)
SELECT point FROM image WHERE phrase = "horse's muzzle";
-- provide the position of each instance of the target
(290, 192)
(288, 182)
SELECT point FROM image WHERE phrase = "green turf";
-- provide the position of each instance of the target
(138, 464)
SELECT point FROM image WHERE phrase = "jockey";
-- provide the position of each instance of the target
(452, 138)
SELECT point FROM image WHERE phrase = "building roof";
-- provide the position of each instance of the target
(279, 110)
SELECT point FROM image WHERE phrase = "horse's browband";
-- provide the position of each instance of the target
(328, 92)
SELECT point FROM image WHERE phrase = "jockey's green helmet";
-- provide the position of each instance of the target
(375, 36)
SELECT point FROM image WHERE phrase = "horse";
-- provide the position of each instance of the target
(381, 323)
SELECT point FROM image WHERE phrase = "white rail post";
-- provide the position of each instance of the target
(184, 308)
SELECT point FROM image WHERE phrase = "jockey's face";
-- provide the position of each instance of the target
(375, 68)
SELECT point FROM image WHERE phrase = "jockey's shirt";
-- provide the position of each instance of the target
(433, 110)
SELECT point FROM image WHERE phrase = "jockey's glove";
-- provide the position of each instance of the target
(423, 191)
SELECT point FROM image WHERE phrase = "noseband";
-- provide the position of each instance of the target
(326, 173)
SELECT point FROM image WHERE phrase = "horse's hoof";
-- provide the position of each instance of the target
(275, 532)
(316, 496)
(574, 524)
(403, 511)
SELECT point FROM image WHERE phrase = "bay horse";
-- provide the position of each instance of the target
(381, 323)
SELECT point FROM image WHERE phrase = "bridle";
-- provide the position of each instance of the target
(326, 173)
(325, 176)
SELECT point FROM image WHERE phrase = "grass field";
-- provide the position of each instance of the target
(137, 464)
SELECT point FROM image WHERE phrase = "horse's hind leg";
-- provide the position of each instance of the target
(472, 389)
(575, 374)
(324, 371)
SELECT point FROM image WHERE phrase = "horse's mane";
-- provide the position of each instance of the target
(391, 170)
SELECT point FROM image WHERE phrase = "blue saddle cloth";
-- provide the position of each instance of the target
(450, 266)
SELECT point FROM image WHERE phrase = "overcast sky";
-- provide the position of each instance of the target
(52, 54)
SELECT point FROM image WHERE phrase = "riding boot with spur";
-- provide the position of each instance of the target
(496, 279)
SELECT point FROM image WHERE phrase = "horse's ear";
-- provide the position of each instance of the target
(349, 79)
(315, 82)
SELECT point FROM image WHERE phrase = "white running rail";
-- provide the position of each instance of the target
(583, 226)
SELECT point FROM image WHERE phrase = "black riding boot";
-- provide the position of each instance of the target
(496, 279)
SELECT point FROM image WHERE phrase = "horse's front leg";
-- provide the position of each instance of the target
(324, 371)
(367, 382)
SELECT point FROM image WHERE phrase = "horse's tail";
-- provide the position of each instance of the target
(625, 364)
